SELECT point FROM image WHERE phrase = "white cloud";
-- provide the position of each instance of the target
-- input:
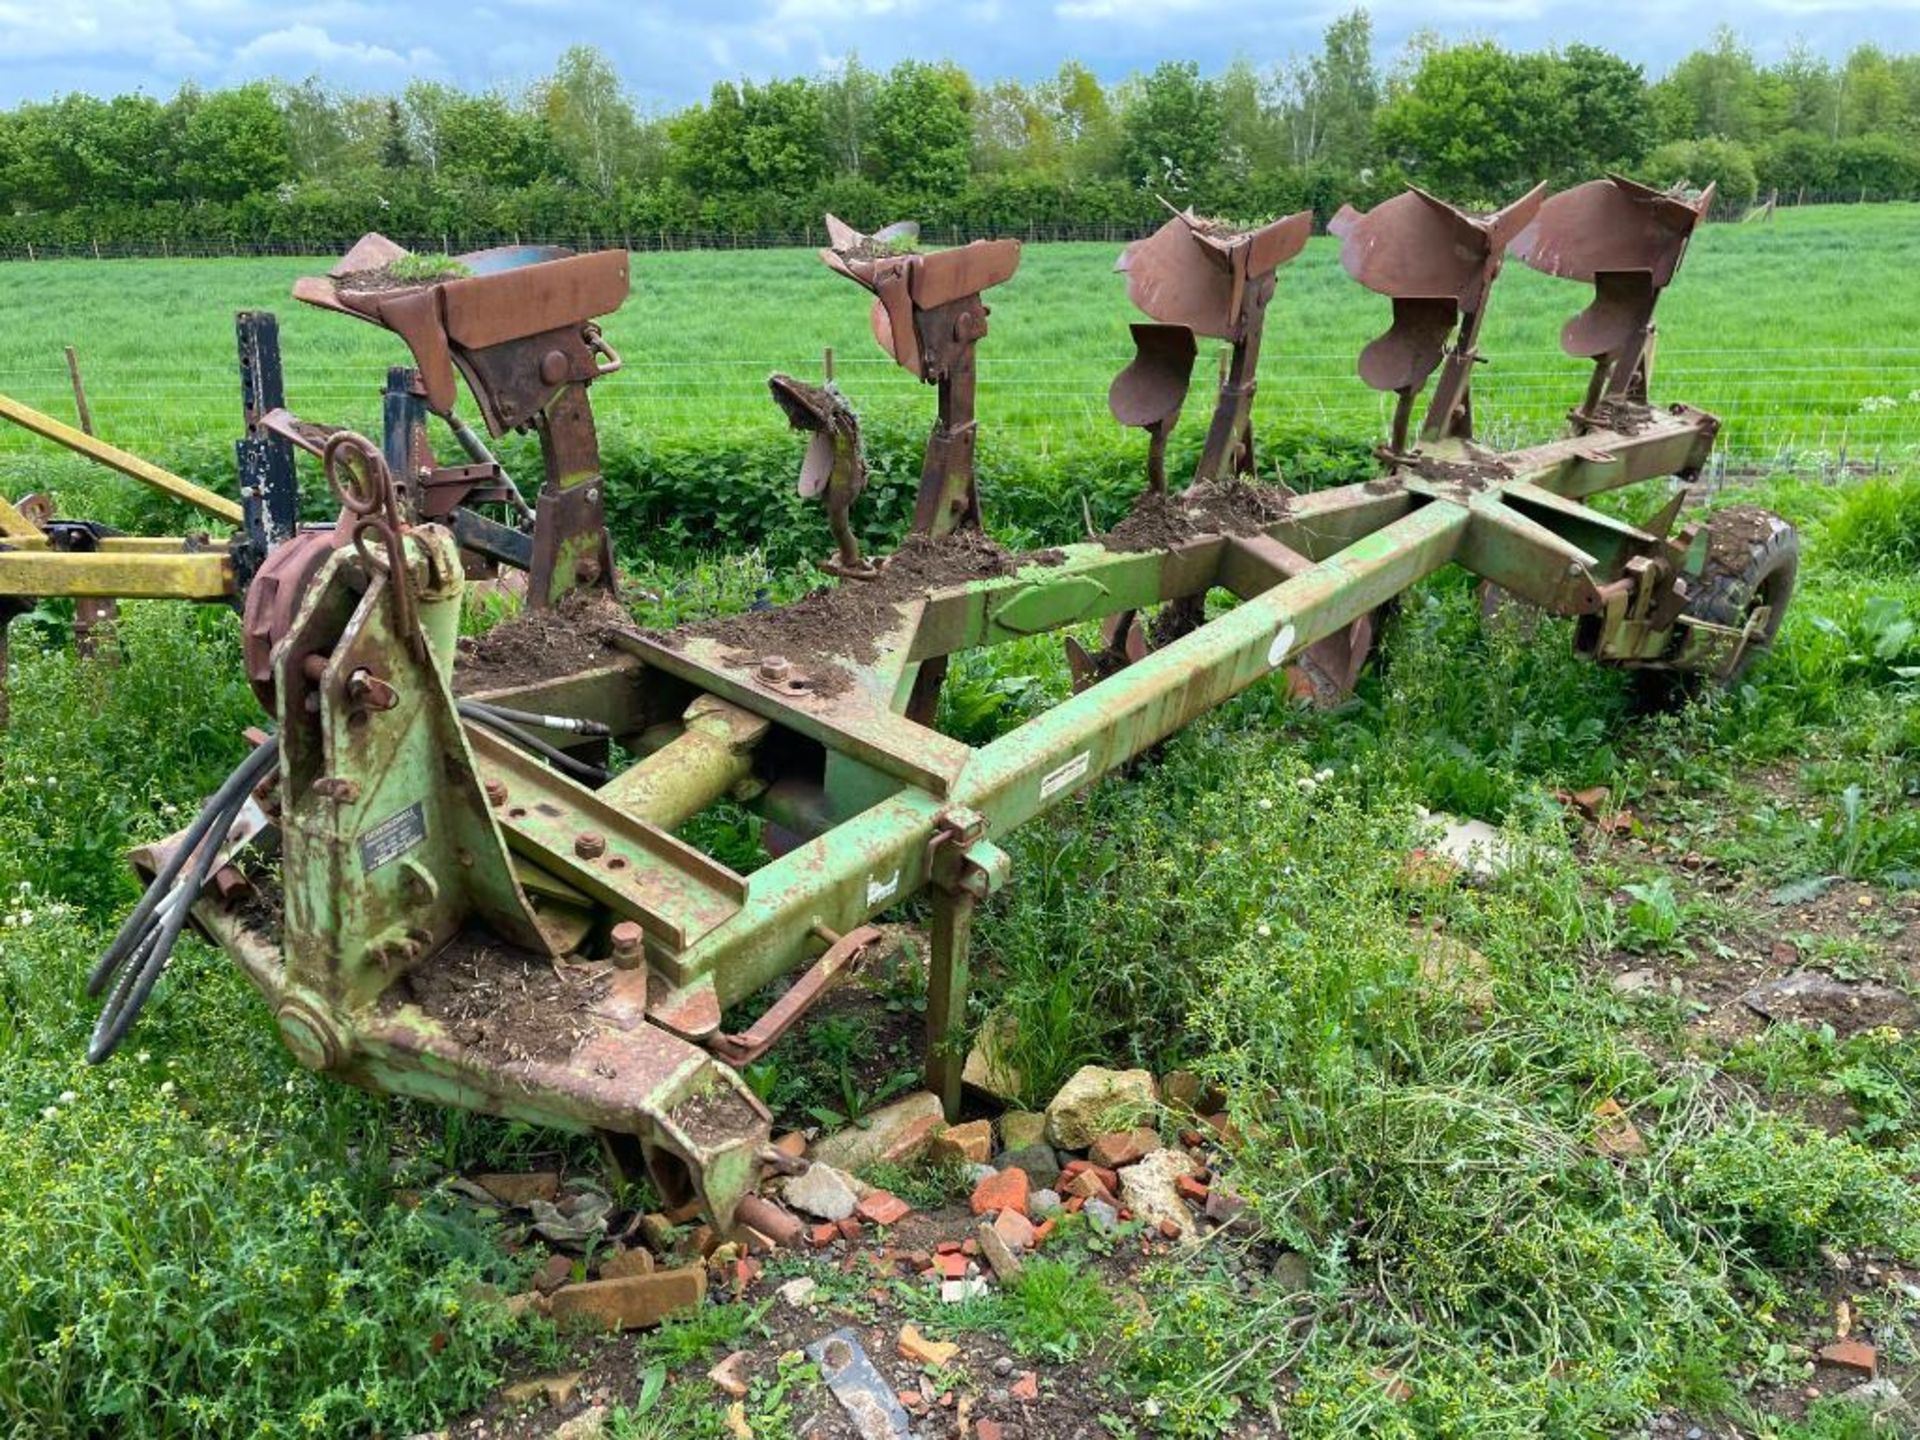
(304, 48)
(1133, 12)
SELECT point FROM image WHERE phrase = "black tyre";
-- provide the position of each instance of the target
(1753, 560)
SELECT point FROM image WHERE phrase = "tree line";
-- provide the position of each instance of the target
(571, 155)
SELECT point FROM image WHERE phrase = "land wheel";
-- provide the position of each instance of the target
(1753, 560)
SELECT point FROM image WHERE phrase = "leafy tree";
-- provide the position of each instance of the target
(1250, 129)
(1172, 130)
(395, 152)
(1331, 97)
(1695, 163)
(1471, 122)
(1083, 122)
(1608, 124)
(922, 133)
(1013, 132)
(590, 118)
(233, 143)
(1719, 91)
(846, 102)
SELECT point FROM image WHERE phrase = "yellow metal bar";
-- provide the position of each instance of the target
(14, 525)
(199, 575)
(38, 543)
(115, 458)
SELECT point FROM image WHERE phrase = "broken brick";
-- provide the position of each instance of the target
(970, 1144)
(824, 1234)
(951, 1267)
(922, 1351)
(1003, 1190)
(1191, 1189)
(881, 1207)
(632, 1302)
(1115, 1149)
(1027, 1387)
(1015, 1229)
(988, 1430)
(731, 1375)
(1855, 1355)
(849, 1228)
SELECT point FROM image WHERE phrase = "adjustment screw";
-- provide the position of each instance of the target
(590, 845)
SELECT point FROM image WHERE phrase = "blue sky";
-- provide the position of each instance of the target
(671, 53)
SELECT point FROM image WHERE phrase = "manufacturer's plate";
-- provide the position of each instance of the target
(393, 837)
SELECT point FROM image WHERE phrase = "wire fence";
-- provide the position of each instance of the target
(1846, 409)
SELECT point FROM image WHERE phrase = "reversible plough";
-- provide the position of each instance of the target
(438, 903)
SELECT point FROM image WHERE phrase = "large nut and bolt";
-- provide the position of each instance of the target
(774, 669)
(590, 845)
(628, 945)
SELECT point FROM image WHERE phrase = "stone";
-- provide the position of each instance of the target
(1637, 984)
(1081, 1108)
(1003, 1190)
(1855, 1355)
(968, 1287)
(1026, 1388)
(988, 1067)
(822, 1192)
(792, 1144)
(1037, 1160)
(554, 1272)
(520, 1190)
(626, 1262)
(1043, 1202)
(555, 1390)
(632, 1302)
(1103, 1217)
(1014, 1228)
(883, 1207)
(799, 1293)
(971, 1143)
(1021, 1128)
(1150, 1189)
(1813, 999)
(1882, 1398)
(731, 1375)
(936, 1354)
(589, 1424)
(1474, 847)
(1000, 1255)
(985, 1429)
(896, 1132)
(1614, 1135)
(1453, 968)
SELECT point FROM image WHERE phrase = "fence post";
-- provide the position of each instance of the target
(79, 389)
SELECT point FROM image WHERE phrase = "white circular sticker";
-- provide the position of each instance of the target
(1282, 643)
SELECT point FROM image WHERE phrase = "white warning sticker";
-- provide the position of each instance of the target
(879, 889)
(1282, 644)
(1058, 779)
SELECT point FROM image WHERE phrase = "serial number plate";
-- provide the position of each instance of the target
(393, 837)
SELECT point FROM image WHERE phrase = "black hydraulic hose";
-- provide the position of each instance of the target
(140, 952)
(236, 786)
(579, 769)
(565, 723)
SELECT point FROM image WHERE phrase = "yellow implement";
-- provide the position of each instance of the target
(115, 458)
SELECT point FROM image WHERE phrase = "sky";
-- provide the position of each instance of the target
(672, 53)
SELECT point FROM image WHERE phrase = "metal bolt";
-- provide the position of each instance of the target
(590, 845)
(496, 793)
(628, 945)
(774, 669)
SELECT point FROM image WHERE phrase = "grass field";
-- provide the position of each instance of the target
(1788, 330)
(201, 1239)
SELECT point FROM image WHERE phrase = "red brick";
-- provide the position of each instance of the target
(971, 1143)
(1043, 1230)
(948, 1247)
(1002, 1190)
(1027, 1387)
(849, 1228)
(1115, 1149)
(1074, 1202)
(631, 1302)
(989, 1430)
(1855, 1355)
(1088, 1185)
(883, 1208)
(1191, 1188)
(1169, 1230)
(951, 1267)
(824, 1234)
